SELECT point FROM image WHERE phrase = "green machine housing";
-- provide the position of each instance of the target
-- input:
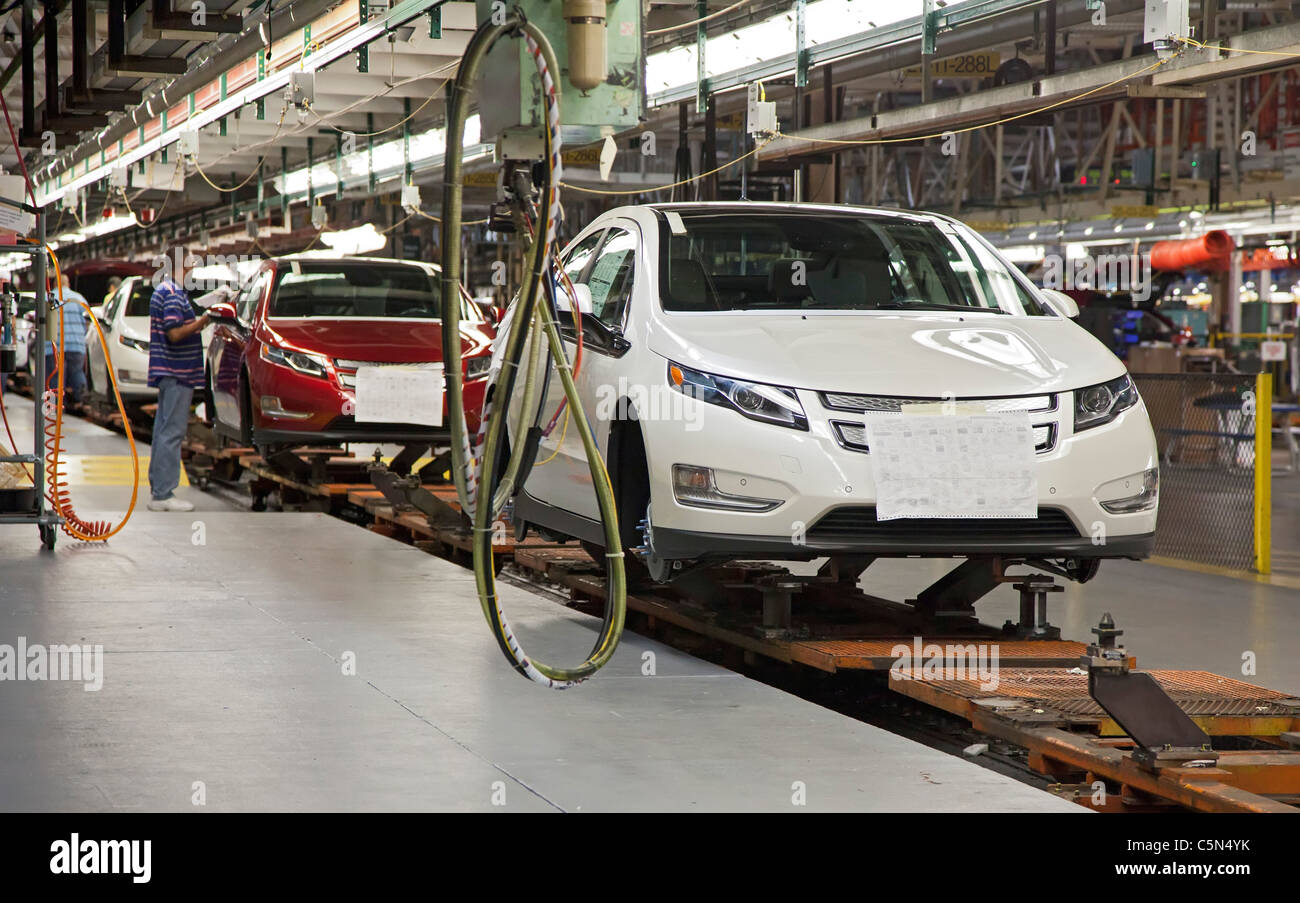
(510, 94)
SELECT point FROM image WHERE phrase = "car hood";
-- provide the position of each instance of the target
(920, 355)
(381, 340)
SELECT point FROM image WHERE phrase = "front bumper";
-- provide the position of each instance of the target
(316, 409)
(827, 493)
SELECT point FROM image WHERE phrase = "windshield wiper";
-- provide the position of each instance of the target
(902, 305)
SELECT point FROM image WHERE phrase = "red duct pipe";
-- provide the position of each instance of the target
(1209, 252)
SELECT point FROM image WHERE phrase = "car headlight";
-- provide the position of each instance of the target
(478, 367)
(138, 344)
(302, 361)
(1103, 402)
(757, 401)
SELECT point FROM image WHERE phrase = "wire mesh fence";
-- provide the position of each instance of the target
(1205, 432)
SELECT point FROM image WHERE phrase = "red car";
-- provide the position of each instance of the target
(282, 363)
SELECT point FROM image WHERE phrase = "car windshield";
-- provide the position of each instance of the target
(774, 260)
(332, 289)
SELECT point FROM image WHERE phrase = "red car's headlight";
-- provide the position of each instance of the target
(301, 361)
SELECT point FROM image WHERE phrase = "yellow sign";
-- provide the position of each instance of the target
(969, 65)
(484, 179)
(1134, 211)
(583, 156)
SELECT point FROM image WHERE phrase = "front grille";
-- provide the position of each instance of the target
(884, 404)
(853, 436)
(347, 370)
(857, 523)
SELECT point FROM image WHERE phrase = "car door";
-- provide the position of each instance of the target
(611, 276)
(95, 359)
(225, 355)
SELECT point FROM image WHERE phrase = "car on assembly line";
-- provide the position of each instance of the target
(283, 364)
(124, 320)
(736, 355)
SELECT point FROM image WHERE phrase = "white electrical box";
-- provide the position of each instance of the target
(411, 197)
(303, 88)
(14, 188)
(1166, 20)
(119, 177)
(188, 142)
(521, 144)
(760, 120)
(318, 217)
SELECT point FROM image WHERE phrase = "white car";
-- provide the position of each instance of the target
(124, 318)
(736, 354)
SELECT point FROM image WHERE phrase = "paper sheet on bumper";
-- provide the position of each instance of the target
(397, 394)
(953, 465)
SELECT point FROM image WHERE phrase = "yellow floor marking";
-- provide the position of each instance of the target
(105, 470)
(1269, 579)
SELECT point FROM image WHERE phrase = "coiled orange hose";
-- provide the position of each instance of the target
(57, 490)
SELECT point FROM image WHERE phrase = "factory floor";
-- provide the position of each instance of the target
(229, 640)
(228, 637)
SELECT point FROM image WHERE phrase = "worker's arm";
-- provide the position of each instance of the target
(177, 333)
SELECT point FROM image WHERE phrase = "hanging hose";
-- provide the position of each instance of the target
(475, 468)
(56, 490)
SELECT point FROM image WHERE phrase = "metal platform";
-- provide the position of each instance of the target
(1220, 705)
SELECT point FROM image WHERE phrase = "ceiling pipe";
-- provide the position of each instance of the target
(226, 52)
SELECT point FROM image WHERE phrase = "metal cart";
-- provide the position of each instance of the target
(36, 512)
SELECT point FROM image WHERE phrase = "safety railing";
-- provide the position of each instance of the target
(1214, 435)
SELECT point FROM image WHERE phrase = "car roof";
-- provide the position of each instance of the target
(793, 207)
(316, 258)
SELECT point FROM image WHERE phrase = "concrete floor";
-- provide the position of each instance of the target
(224, 664)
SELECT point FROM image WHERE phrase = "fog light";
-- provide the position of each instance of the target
(271, 407)
(1143, 500)
(696, 486)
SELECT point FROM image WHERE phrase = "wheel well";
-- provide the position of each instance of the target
(245, 406)
(629, 471)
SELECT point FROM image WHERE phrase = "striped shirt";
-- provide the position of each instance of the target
(74, 324)
(169, 307)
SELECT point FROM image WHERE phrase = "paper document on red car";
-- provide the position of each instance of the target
(397, 394)
(952, 465)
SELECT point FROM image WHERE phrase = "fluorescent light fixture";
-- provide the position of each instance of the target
(824, 20)
(360, 240)
(388, 160)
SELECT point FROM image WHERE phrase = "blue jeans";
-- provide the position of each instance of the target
(170, 422)
(74, 373)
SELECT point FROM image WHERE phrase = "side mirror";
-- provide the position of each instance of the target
(1062, 303)
(488, 310)
(583, 293)
(222, 312)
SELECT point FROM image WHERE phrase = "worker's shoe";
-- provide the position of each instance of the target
(171, 504)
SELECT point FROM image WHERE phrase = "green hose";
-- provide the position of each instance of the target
(485, 495)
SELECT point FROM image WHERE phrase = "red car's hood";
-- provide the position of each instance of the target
(379, 341)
